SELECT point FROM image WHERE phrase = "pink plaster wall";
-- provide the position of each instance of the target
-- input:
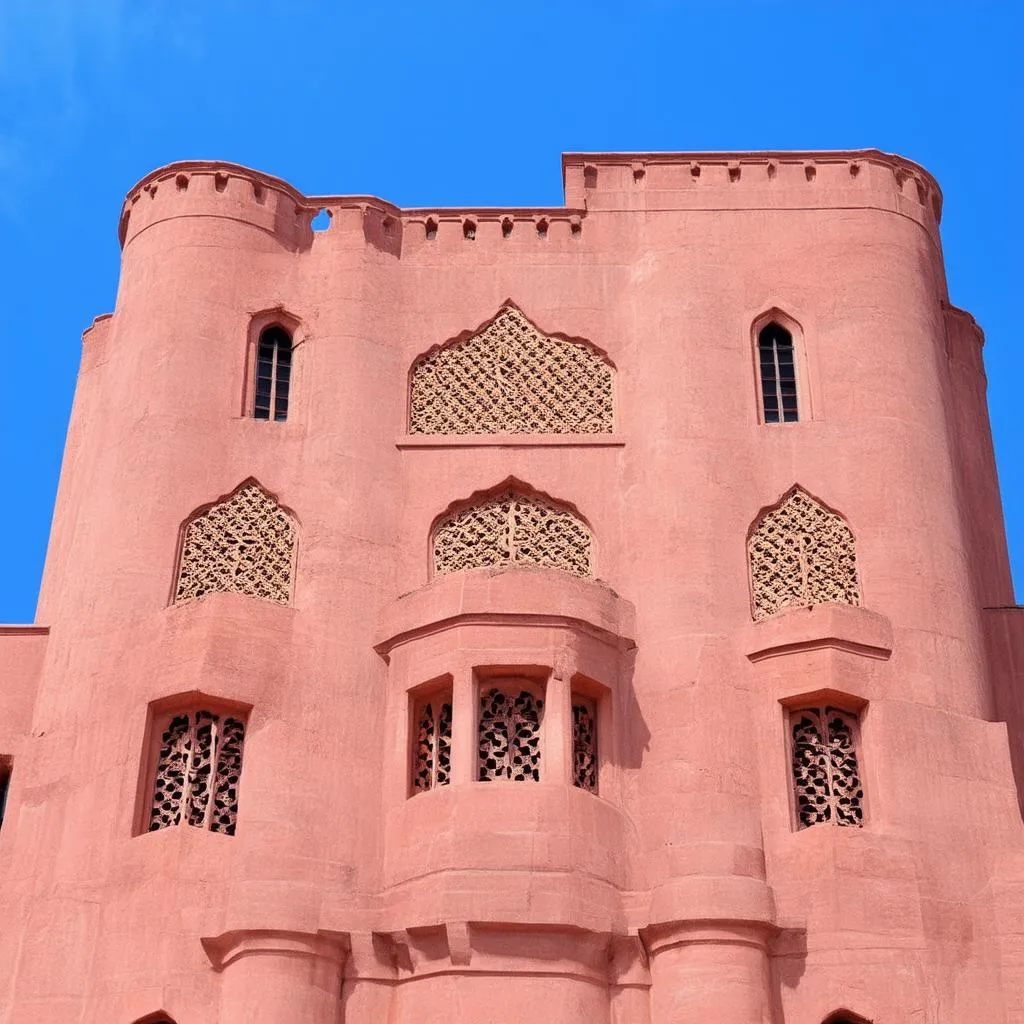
(681, 893)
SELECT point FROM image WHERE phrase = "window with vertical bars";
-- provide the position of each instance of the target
(198, 768)
(5, 783)
(432, 750)
(273, 374)
(778, 374)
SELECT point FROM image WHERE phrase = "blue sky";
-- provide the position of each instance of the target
(457, 102)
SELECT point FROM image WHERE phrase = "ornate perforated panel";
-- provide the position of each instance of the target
(509, 746)
(584, 744)
(244, 545)
(801, 554)
(511, 527)
(509, 378)
(200, 754)
(826, 778)
(433, 752)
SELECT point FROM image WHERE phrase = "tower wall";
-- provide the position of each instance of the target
(682, 890)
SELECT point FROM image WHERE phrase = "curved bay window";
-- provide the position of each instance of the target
(778, 374)
(273, 374)
(826, 777)
(509, 732)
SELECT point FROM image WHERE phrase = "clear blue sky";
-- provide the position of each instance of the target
(458, 102)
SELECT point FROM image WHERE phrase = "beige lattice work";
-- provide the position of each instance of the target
(509, 378)
(801, 554)
(245, 545)
(511, 527)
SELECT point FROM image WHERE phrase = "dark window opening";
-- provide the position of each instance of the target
(778, 374)
(273, 374)
(5, 780)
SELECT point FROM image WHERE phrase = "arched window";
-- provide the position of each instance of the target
(197, 771)
(778, 374)
(273, 374)
(244, 544)
(509, 740)
(512, 528)
(801, 554)
(845, 1017)
(510, 378)
(826, 778)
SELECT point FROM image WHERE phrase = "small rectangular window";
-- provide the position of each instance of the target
(432, 741)
(826, 775)
(584, 743)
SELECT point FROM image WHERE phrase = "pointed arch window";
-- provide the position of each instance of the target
(273, 374)
(778, 374)
(244, 544)
(801, 554)
(509, 377)
(198, 770)
(511, 527)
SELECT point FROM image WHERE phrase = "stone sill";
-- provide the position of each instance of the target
(414, 441)
(839, 626)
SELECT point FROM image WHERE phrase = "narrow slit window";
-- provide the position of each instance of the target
(584, 743)
(273, 374)
(5, 784)
(778, 374)
(432, 750)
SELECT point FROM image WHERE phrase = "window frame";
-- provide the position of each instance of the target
(259, 324)
(801, 375)
(279, 341)
(159, 715)
(511, 683)
(436, 693)
(820, 703)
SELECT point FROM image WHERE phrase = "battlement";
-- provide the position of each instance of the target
(593, 182)
(737, 181)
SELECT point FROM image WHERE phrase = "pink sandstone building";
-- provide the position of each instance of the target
(589, 615)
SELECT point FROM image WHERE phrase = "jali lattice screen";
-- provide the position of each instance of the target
(245, 545)
(801, 554)
(509, 378)
(197, 772)
(511, 528)
(509, 736)
(432, 758)
(826, 778)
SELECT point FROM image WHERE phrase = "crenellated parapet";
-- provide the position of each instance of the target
(200, 188)
(739, 181)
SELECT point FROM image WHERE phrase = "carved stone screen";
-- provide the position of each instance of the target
(432, 755)
(197, 772)
(509, 378)
(512, 528)
(509, 735)
(826, 779)
(584, 744)
(801, 554)
(244, 545)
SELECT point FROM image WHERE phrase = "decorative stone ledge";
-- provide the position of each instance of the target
(838, 626)
(524, 596)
